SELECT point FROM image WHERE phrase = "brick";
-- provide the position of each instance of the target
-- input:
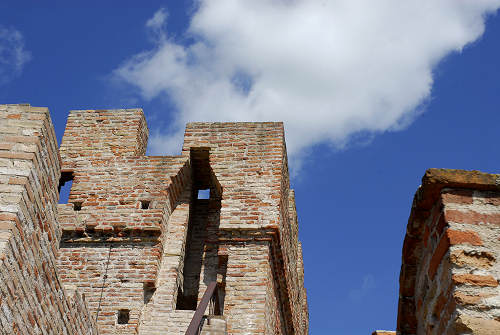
(463, 237)
(474, 325)
(471, 217)
(477, 259)
(6, 225)
(476, 280)
(6, 146)
(18, 180)
(439, 252)
(465, 299)
(17, 155)
(457, 196)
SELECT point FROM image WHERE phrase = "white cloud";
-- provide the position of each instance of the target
(329, 69)
(368, 284)
(13, 56)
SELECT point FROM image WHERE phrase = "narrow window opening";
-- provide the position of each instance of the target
(77, 206)
(65, 184)
(145, 204)
(204, 194)
(204, 218)
(185, 302)
(123, 316)
(149, 290)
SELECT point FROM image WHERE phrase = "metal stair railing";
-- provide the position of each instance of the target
(211, 296)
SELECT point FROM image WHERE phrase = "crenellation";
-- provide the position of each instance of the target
(103, 134)
(135, 249)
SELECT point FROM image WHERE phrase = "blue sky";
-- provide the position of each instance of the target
(372, 95)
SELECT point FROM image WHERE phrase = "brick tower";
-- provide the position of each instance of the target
(143, 237)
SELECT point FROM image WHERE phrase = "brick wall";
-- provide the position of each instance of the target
(134, 238)
(119, 205)
(33, 299)
(258, 227)
(104, 134)
(450, 274)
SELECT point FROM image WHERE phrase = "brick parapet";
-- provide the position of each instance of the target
(134, 231)
(33, 299)
(111, 192)
(247, 159)
(103, 134)
(250, 163)
(450, 273)
(119, 247)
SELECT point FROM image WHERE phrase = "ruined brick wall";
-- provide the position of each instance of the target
(450, 274)
(33, 299)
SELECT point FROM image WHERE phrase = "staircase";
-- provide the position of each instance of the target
(213, 325)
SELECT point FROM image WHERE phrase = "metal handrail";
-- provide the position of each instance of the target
(210, 296)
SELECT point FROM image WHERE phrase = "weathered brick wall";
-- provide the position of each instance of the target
(32, 300)
(135, 239)
(249, 161)
(112, 276)
(104, 134)
(450, 275)
(111, 245)
(160, 316)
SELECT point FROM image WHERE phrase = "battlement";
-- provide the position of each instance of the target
(135, 239)
(104, 134)
(141, 244)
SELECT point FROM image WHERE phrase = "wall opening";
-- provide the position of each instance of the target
(145, 204)
(222, 272)
(77, 206)
(123, 316)
(204, 194)
(65, 184)
(149, 290)
(200, 259)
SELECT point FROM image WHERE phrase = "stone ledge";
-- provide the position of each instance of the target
(435, 180)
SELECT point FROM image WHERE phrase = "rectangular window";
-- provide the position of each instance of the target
(123, 316)
(204, 194)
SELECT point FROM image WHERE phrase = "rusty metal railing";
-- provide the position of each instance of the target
(210, 298)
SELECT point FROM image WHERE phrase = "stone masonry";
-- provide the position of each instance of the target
(137, 244)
